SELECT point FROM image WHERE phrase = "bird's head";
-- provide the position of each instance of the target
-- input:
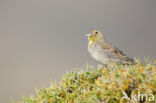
(94, 36)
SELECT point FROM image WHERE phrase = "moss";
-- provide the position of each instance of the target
(101, 85)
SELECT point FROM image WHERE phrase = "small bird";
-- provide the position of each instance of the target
(105, 53)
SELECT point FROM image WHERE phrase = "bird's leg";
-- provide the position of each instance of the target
(106, 66)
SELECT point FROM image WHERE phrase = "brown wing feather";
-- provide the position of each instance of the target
(116, 52)
(121, 55)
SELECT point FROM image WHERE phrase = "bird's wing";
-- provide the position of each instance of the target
(115, 52)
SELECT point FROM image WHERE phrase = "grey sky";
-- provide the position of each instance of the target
(42, 39)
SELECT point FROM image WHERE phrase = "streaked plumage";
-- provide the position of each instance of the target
(105, 53)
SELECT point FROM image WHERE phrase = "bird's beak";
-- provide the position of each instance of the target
(88, 35)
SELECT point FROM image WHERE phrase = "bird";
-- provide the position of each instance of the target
(105, 53)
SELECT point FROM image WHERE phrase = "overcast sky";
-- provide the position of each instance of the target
(42, 39)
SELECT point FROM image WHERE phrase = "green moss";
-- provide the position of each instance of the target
(101, 85)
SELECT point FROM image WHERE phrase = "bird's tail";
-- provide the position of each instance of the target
(132, 61)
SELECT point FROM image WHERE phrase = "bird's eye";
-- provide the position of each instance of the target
(96, 32)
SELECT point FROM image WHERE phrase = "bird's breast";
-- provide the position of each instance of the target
(98, 55)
